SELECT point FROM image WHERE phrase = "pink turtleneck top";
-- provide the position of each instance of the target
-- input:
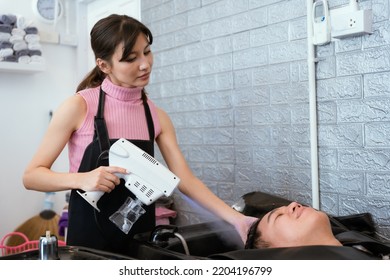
(124, 115)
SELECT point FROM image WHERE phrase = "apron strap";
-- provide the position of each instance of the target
(149, 120)
(101, 133)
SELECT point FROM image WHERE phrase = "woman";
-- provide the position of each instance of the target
(112, 99)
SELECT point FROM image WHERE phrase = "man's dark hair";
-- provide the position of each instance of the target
(254, 240)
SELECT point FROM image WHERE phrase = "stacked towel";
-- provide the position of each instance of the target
(31, 30)
(4, 36)
(8, 19)
(25, 59)
(20, 45)
(37, 59)
(34, 52)
(5, 53)
(32, 38)
(6, 45)
(10, 58)
(34, 46)
(19, 42)
(5, 28)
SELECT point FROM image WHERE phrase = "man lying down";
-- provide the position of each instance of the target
(293, 231)
(296, 225)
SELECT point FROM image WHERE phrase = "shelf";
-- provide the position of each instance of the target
(14, 67)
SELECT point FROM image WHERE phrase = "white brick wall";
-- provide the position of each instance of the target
(232, 74)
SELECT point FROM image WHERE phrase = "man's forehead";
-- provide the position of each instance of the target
(270, 213)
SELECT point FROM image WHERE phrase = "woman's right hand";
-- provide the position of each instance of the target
(103, 178)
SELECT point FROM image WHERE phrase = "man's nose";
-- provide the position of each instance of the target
(293, 206)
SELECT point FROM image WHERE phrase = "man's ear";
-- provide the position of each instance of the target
(103, 65)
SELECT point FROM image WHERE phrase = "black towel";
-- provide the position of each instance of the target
(8, 19)
(23, 52)
(5, 45)
(31, 30)
(5, 28)
(34, 52)
(11, 58)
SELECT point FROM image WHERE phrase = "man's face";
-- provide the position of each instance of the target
(293, 225)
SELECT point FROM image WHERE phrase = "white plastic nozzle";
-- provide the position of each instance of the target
(92, 197)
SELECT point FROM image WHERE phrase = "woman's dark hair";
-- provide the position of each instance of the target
(106, 35)
(254, 240)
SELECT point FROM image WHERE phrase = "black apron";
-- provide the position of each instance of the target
(89, 228)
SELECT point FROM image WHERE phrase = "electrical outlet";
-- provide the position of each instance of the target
(350, 23)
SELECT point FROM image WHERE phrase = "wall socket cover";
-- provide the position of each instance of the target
(352, 23)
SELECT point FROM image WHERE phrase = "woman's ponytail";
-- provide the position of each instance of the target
(93, 79)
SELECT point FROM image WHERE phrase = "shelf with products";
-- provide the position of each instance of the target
(14, 67)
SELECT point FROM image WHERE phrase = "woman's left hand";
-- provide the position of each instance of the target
(242, 226)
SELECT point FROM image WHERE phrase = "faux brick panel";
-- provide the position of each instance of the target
(243, 78)
(329, 203)
(243, 154)
(249, 20)
(275, 114)
(225, 118)
(378, 184)
(326, 112)
(340, 135)
(342, 182)
(283, 52)
(252, 135)
(368, 61)
(269, 34)
(364, 159)
(219, 173)
(377, 85)
(379, 208)
(225, 154)
(369, 110)
(274, 74)
(249, 58)
(340, 88)
(298, 29)
(251, 96)
(327, 158)
(218, 136)
(286, 10)
(291, 178)
(200, 154)
(377, 134)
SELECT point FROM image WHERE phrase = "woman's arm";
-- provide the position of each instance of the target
(190, 185)
(38, 174)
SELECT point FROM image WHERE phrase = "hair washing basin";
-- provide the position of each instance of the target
(196, 241)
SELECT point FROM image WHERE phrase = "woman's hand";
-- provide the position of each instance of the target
(103, 178)
(242, 226)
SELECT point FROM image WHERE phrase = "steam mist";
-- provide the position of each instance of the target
(224, 230)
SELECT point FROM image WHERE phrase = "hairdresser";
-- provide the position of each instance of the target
(114, 92)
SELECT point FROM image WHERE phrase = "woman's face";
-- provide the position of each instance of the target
(293, 225)
(135, 70)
